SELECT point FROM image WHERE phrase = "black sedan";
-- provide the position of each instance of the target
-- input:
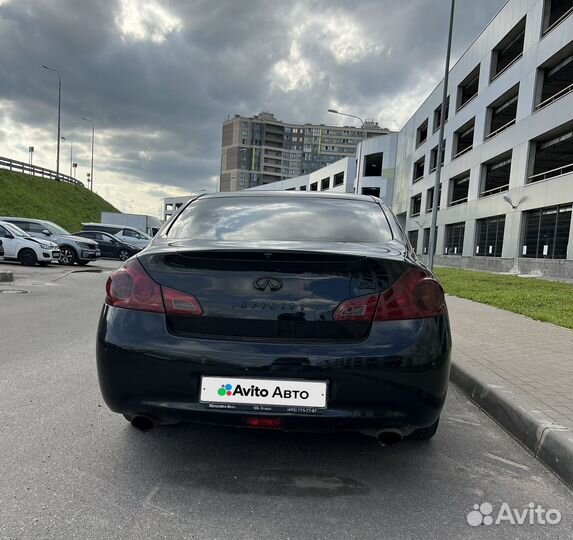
(111, 246)
(293, 311)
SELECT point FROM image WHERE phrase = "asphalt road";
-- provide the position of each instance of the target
(70, 468)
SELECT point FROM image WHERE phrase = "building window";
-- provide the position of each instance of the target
(454, 238)
(430, 199)
(372, 191)
(489, 236)
(302, 188)
(464, 139)
(468, 88)
(508, 50)
(325, 184)
(169, 207)
(314, 186)
(426, 241)
(496, 175)
(438, 114)
(418, 172)
(459, 189)
(546, 232)
(434, 156)
(502, 113)
(422, 133)
(413, 238)
(551, 156)
(554, 11)
(338, 179)
(373, 164)
(555, 77)
(415, 205)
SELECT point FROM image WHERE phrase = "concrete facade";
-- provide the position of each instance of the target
(534, 124)
(342, 175)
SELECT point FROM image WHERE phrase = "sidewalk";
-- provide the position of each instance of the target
(520, 371)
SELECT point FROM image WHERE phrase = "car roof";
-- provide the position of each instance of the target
(282, 193)
(10, 218)
(112, 226)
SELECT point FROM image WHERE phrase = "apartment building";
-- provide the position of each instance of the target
(261, 149)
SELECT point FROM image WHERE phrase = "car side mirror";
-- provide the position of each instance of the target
(46, 232)
(8, 235)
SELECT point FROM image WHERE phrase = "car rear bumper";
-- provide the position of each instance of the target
(397, 378)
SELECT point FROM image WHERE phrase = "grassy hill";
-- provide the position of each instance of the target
(65, 204)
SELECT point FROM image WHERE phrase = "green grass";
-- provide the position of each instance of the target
(548, 301)
(65, 204)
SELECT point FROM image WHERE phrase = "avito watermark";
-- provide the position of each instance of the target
(483, 514)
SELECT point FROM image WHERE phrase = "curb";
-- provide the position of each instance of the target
(6, 277)
(551, 443)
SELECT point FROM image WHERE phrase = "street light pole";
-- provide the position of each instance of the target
(435, 202)
(71, 153)
(359, 165)
(59, 117)
(92, 166)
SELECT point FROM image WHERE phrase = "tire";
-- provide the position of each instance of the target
(424, 434)
(124, 254)
(67, 256)
(82, 263)
(128, 417)
(27, 257)
(43, 263)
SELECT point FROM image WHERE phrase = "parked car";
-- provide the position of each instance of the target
(1, 249)
(73, 249)
(20, 246)
(280, 310)
(128, 235)
(111, 246)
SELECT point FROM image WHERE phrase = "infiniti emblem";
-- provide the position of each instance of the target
(264, 283)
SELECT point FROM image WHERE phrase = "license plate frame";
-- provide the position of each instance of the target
(317, 391)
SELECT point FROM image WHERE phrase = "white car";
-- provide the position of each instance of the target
(20, 246)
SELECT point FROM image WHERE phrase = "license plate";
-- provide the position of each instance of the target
(55, 254)
(270, 392)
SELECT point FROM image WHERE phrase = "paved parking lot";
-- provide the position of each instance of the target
(70, 468)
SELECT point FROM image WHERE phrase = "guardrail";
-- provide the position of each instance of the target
(559, 171)
(555, 97)
(34, 170)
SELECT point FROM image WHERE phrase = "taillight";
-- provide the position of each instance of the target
(131, 287)
(180, 303)
(414, 295)
(361, 308)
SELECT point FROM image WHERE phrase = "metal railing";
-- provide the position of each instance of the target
(469, 100)
(502, 71)
(459, 201)
(555, 97)
(500, 129)
(34, 170)
(558, 21)
(462, 152)
(494, 190)
(559, 171)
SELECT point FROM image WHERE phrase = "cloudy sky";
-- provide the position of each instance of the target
(159, 77)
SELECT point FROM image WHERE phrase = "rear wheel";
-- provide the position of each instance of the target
(82, 263)
(44, 263)
(27, 257)
(423, 434)
(124, 254)
(67, 256)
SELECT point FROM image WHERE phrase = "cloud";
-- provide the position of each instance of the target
(159, 77)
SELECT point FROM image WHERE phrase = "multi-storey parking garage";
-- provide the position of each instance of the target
(507, 181)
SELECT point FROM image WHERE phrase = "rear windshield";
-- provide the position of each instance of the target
(282, 219)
